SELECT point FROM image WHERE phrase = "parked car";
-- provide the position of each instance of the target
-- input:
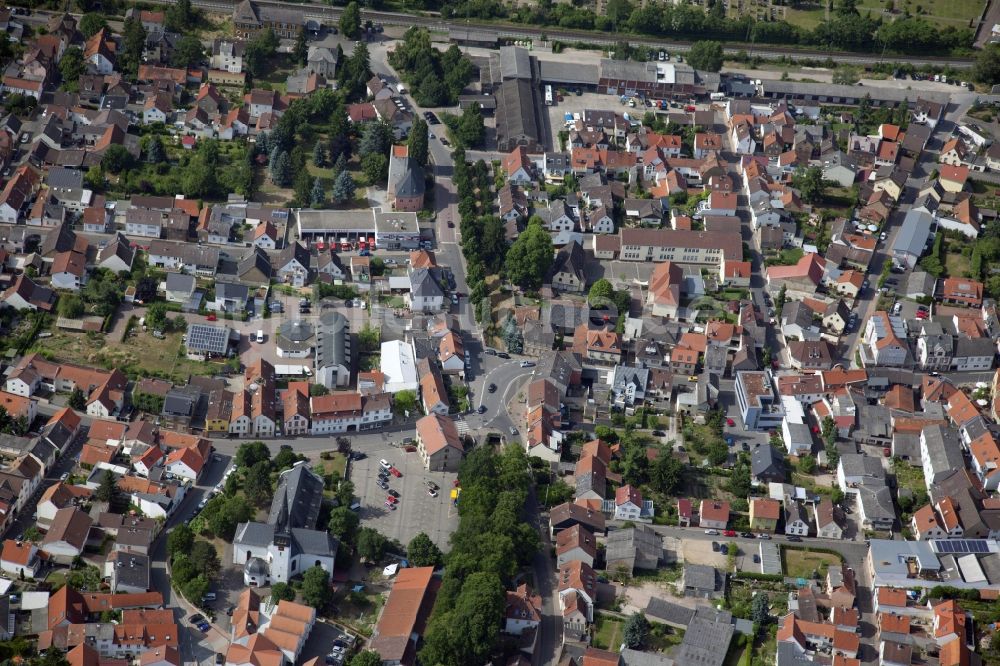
(716, 547)
(746, 535)
(527, 364)
(764, 536)
(395, 472)
(503, 355)
(712, 532)
(432, 492)
(795, 538)
(384, 464)
(729, 533)
(394, 493)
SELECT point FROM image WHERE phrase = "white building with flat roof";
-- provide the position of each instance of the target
(399, 365)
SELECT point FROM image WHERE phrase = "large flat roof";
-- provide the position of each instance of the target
(335, 221)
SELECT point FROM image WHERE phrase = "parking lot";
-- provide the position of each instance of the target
(416, 511)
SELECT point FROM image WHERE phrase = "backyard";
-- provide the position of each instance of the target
(607, 632)
(805, 563)
(160, 357)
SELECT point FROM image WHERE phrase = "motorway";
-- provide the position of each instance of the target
(327, 15)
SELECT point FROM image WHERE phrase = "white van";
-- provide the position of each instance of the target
(260, 336)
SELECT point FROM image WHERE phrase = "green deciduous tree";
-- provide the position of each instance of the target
(251, 453)
(422, 552)
(286, 458)
(371, 544)
(282, 591)
(367, 658)
(72, 67)
(116, 159)
(350, 20)
(810, 184)
(405, 401)
(987, 67)
(224, 513)
(179, 540)
(470, 128)
(344, 524)
(90, 24)
(188, 52)
(257, 483)
(529, 258)
(375, 166)
(316, 587)
(601, 293)
(706, 56)
(205, 558)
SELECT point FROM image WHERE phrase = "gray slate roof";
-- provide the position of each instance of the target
(301, 491)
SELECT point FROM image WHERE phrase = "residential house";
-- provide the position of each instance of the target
(438, 443)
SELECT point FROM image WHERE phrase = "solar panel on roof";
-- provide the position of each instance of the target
(962, 546)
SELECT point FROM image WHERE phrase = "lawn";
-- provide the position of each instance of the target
(159, 357)
(956, 264)
(332, 463)
(788, 256)
(801, 562)
(607, 632)
(956, 12)
(807, 19)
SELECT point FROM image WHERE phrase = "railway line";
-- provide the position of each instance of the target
(326, 14)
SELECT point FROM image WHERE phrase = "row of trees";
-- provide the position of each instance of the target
(492, 543)
(484, 241)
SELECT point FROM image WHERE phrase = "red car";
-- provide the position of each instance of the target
(390, 498)
(730, 422)
(211, 317)
(689, 108)
(729, 533)
(395, 472)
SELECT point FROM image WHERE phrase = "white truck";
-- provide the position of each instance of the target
(293, 370)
